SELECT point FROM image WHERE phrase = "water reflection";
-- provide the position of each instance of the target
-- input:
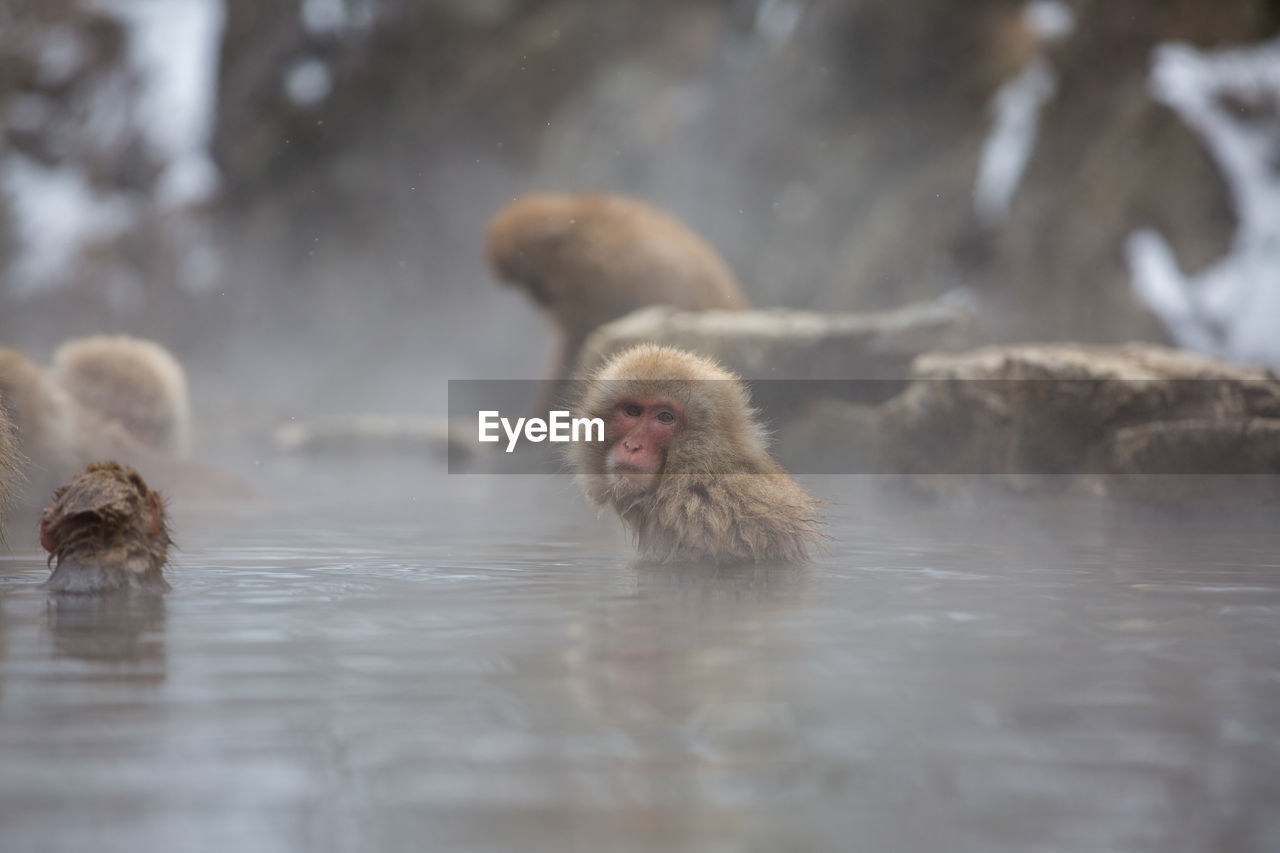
(484, 668)
(682, 644)
(109, 629)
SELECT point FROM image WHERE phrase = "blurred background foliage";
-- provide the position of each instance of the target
(331, 260)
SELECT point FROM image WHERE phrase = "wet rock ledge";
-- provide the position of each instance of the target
(778, 343)
(1114, 420)
(1137, 420)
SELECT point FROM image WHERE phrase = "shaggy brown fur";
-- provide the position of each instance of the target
(46, 426)
(589, 259)
(56, 437)
(719, 495)
(135, 383)
(8, 465)
(106, 529)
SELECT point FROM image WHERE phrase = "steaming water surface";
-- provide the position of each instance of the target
(470, 663)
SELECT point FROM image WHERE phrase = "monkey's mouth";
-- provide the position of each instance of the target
(633, 473)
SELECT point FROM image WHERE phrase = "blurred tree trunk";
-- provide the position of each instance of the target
(829, 149)
(1108, 159)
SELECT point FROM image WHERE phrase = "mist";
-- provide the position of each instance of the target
(293, 199)
(1011, 358)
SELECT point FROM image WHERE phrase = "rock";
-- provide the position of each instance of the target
(828, 432)
(798, 345)
(1086, 413)
(1197, 446)
(452, 439)
(365, 433)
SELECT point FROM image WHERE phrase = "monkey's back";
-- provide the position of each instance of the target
(597, 257)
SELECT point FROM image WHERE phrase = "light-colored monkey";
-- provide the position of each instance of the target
(589, 259)
(132, 382)
(685, 464)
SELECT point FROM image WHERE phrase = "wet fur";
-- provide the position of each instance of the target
(720, 496)
(106, 535)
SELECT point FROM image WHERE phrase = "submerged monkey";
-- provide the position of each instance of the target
(589, 259)
(684, 463)
(105, 531)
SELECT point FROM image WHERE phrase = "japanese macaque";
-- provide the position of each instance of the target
(589, 259)
(8, 465)
(134, 383)
(105, 532)
(684, 463)
(56, 436)
(46, 424)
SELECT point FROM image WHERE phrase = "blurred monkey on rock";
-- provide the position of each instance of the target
(589, 259)
(684, 463)
(134, 383)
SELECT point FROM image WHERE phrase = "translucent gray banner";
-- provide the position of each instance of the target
(1018, 427)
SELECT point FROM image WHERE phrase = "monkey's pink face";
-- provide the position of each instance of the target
(639, 431)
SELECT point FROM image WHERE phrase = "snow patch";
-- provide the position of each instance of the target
(1008, 147)
(308, 82)
(1231, 308)
(777, 20)
(62, 53)
(173, 46)
(328, 19)
(165, 93)
(1016, 108)
(324, 17)
(1049, 20)
(55, 213)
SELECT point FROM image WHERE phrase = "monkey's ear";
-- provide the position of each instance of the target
(153, 515)
(46, 538)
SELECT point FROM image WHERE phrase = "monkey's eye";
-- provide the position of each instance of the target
(666, 417)
(632, 410)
